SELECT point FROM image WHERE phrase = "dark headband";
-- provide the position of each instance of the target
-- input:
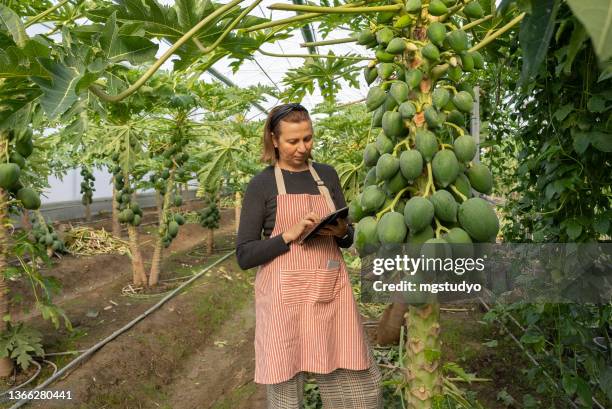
(282, 112)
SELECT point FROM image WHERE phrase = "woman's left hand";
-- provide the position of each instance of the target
(339, 229)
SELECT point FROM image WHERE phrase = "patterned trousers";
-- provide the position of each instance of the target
(340, 389)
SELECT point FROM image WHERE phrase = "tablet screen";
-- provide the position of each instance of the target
(329, 219)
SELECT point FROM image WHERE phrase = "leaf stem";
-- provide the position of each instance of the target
(476, 22)
(295, 19)
(439, 228)
(394, 202)
(40, 16)
(347, 57)
(149, 73)
(498, 33)
(333, 10)
(328, 42)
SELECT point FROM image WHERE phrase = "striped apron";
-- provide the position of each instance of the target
(306, 315)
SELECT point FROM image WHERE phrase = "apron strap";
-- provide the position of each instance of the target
(280, 184)
(322, 188)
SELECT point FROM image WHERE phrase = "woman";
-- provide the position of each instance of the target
(306, 315)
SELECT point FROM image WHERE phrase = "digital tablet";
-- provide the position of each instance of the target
(331, 218)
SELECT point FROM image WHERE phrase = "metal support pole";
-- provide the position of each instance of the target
(475, 122)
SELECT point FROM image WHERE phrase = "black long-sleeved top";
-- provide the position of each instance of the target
(259, 212)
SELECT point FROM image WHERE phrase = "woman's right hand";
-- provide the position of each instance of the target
(297, 229)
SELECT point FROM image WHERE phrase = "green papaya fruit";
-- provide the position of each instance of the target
(9, 174)
(356, 213)
(454, 73)
(473, 10)
(370, 178)
(458, 41)
(431, 52)
(413, 78)
(366, 239)
(384, 36)
(173, 228)
(370, 74)
(478, 60)
(399, 91)
(385, 70)
(377, 116)
(445, 167)
(462, 184)
(178, 200)
(376, 97)
(418, 213)
(467, 62)
(456, 118)
(411, 164)
(179, 219)
(440, 97)
(478, 219)
(480, 178)
(413, 6)
(391, 228)
(29, 198)
(396, 183)
(25, 146)
(16, 158)
(372, 198)
(393, 124)
(463, 101)
(389, 104)
(384, 144)
(457, 235)
(48, 239)
(127, 215)
(136, 220)
(165, 174)
(407, 110)
(436, 32)
(433, 117)
(386, 167)
(426, 144)
(383, 56)
(437, 8)
(449, 3)
(445, 206)
(465, 148)
(403, 21)
(370, 155)
(365, 37)
(385, 17)
(421, 237)
(396, 46)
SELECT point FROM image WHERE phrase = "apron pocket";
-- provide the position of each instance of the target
(308, 286)
(295, 286)
(325, 284)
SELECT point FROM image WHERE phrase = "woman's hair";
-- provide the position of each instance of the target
(294, 113)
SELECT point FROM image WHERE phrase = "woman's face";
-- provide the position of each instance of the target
(294, 143)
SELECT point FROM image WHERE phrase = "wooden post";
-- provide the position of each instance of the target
(237, 209)
(475, 122)
(115, 214)
(210, 242)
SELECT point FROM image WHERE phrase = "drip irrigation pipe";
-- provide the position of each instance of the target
(3, 399)
(120, 331)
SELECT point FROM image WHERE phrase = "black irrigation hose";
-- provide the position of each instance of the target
(118, 332)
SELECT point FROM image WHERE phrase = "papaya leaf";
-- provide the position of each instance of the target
(573, 229)
(596, 104)
(534, 36)
(596, 16)
(59, 92)
(584, 392)
(10, 21)
(134, 49)
(569, 384)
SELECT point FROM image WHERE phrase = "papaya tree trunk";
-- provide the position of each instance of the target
(423, 356)
(25, 220)
(210, 241)
(237, 210)
(159, 242)
(115, 212)
(88, 212)
(159, 201)
(138, 271)
(6, 364)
